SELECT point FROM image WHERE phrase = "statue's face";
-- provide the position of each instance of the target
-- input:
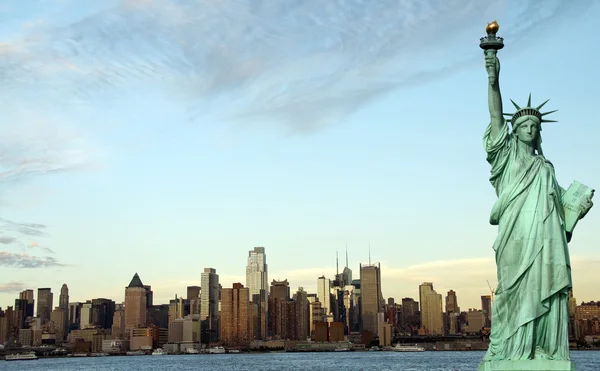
(528, 132)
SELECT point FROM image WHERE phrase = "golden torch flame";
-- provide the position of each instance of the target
(492, 28)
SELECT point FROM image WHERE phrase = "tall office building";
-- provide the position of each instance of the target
(102, 313)
(44, 304)
(279, 295)
(486, 307)
(432, 321)
(257, 281)
(235, 316)
(257, 271)
(193, 292)
(135, 304)
(347, 272)
(410, 320)
(209, 305)
(302, 315)
(452, 312)
(63, 304)
(74, 315)
(371, 297)
(27, 295)
(324, 294)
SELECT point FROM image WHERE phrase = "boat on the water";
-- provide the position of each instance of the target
(159, 352)
(192, 351)
(407, 348)
(344, 349)
(21, 357)
(217, 350)
(233, 351)
(99, 354)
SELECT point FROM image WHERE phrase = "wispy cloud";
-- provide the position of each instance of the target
(302, 63)
(12, 286)
(28, 229)
(7, 240)
(15, 260)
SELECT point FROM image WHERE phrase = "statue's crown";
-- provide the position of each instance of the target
(529, 111)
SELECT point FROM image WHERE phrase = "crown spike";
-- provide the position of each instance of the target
(547, 113)
(516, 105)
(542, 105)
(529, 101)
(549, 120)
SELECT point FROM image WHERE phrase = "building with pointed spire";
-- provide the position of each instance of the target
(135, 304)
(347, 272)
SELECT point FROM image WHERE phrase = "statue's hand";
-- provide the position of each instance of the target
(492, 66)
(586, 208)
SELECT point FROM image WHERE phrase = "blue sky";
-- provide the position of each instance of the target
(163, 137)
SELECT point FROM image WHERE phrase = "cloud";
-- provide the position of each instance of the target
(7, 240)
(28, 229)
(12, 286)
(8, 259)
(303, 63)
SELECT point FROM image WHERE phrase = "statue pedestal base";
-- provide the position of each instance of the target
(527, 365)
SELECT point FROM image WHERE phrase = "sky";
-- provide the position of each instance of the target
(162, 137)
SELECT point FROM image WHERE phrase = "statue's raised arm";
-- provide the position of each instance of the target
(491, 44)
(492, 66)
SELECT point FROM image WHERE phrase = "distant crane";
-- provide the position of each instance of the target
(492, 298)
(492, 290)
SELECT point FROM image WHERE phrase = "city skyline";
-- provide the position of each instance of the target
(304, 145)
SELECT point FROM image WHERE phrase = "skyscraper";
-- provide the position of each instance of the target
(257, 271)
(371, 297)
(209, 305)
(280, 294)
(63, 304)
(302, 315)
(257, 282)
(452, 312)
(324, 293)
(347, 272)
(486, 307)
(235, 315)
(44, 304)
(432, 322)
(135, 304)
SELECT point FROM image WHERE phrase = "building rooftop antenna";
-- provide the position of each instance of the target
(337, 265)
(346, 255)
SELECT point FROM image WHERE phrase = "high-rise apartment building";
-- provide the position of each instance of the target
(235, 316)
(44, 304)
(209, 305)
(432, 320)
(135, 304)
(371, 297)
(280, 294)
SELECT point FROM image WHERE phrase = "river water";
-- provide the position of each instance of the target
(330, 361)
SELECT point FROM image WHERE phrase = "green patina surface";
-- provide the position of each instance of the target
(530, 314)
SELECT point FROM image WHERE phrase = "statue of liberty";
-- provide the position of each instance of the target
(530, 315)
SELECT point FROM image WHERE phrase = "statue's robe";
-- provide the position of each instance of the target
(530, 315)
